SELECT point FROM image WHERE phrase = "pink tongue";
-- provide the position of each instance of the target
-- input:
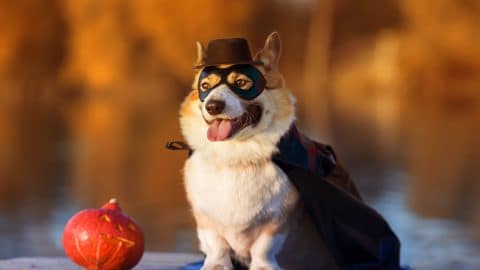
(219, 130)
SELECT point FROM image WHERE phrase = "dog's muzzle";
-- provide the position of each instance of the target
(222, 129)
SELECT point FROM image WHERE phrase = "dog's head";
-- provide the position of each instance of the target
(238, 105)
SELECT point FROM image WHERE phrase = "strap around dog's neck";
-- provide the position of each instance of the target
(179, 145)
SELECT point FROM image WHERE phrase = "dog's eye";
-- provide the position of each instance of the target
(205, 86)
(240, 83)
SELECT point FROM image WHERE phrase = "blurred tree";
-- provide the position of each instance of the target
(31, 51)
(316, 90)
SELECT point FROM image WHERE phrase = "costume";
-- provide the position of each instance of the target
(357, 236)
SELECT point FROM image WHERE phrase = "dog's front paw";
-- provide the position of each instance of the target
(217, 267)
(263, 265)
(222, 263)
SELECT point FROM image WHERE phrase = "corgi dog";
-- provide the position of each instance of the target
(246, 209)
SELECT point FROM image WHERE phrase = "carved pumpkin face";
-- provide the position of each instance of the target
(103, 239)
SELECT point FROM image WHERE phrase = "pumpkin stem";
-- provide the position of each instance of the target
(112, 204)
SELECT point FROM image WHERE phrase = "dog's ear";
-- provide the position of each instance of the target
(270, 54)
(201, 54)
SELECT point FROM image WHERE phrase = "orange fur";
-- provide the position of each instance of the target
(189, 104)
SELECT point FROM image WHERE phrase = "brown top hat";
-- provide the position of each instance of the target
(228, 51)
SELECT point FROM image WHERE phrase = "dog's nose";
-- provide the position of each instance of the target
(215, 107)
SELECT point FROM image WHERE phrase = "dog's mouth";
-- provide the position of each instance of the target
(221, 129)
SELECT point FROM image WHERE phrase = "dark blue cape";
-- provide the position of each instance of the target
(358, 237)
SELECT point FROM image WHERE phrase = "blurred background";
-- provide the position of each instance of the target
(90, 90)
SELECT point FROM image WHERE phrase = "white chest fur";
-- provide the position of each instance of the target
(236, 195)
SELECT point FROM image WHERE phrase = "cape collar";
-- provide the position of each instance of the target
(294, 148)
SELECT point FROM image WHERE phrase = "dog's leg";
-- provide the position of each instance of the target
(264, 250)
(216, 249)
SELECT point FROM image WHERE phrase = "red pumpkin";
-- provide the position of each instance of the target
(103, 239)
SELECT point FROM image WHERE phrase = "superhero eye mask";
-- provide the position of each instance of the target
(246, 81)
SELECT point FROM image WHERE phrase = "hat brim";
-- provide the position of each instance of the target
(222, 63)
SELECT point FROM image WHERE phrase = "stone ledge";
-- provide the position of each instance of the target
(150, 261)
